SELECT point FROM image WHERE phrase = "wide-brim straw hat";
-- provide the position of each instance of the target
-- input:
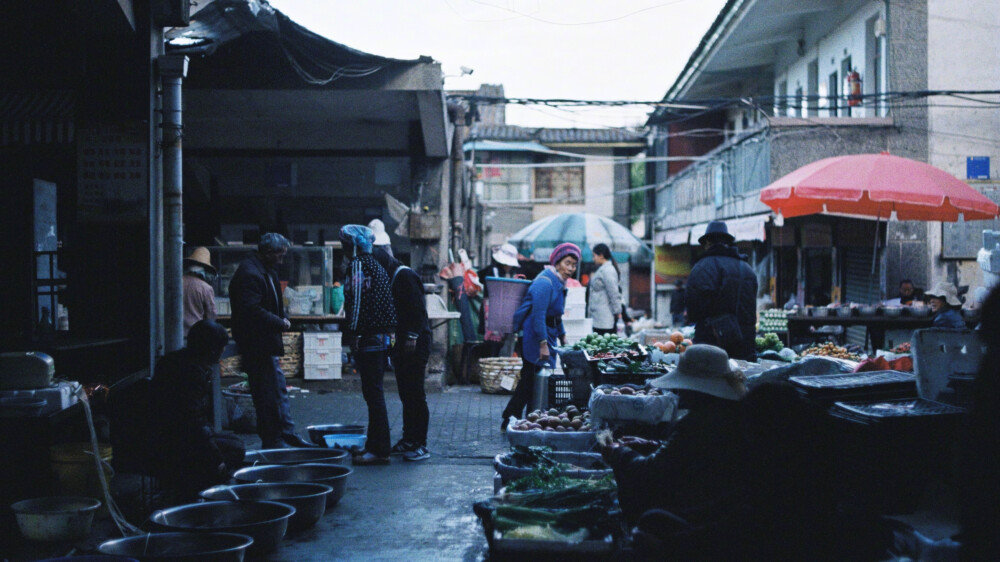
(201, 256)
(706, 369)
(945, 291)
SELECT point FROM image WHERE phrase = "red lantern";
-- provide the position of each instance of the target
(853, 88)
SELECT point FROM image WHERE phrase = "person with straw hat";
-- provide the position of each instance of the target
(944, 302)
(692, 474)
(199, 296)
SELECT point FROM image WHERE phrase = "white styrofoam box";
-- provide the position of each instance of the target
(576, 295)
(574, 313)
(323, 372)
(321, 340)
(322, 356)
(59, 396)
(222, 306)
(580, 327)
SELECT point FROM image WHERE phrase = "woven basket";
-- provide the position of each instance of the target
(493, 369)
(290, 362)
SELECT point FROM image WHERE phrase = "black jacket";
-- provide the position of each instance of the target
(720, 283)
(695, 473)
(410, 302)
(258, 308)
(180, 411)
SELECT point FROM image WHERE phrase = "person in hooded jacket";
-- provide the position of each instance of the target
(370, 322)
(723, 283)
(410, 353)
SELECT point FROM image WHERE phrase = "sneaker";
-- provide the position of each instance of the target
(369, 459)
(418, 453)
(402, 447)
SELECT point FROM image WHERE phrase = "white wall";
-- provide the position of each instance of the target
(829, 49)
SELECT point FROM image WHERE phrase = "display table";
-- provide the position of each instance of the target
(875, 326)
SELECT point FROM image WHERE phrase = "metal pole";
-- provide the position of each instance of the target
(173, 69)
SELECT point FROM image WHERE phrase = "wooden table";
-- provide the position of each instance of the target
(875, 326)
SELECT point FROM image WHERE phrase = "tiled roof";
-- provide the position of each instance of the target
(546, 135)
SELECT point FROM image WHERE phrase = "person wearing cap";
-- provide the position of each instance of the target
(503, 264)
(371, 321)
(540, 319)
(258, 321)
(381, 236)
(199, 297)
(694, 474)
(189, 455)
(721, 293)
(944, 303)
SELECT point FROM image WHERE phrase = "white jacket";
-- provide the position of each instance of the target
(605, 297)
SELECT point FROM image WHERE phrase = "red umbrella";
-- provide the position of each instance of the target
(875, 185)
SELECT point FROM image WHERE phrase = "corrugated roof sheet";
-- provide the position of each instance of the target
(547, 135)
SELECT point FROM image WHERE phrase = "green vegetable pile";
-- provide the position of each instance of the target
(606, 345)
(770, 342)
(628, 365)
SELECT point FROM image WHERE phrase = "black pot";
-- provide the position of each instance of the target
(266, 522)
(308, 499)
(316, 432)
(332, 475)
(173, 547)
(296, 456)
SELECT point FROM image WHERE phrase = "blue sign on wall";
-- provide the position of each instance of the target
(977, 167)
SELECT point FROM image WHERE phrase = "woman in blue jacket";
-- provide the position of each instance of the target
(540, 319)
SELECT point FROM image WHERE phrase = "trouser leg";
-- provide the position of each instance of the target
(410, 372)
(523, 393)
(371, 366)
(260, 374)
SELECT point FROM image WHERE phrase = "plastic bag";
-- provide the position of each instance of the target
(809, 365)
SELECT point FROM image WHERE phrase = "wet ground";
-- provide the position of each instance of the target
(406, 510)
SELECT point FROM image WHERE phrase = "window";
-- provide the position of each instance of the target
(501, 183)
(561, 183)
(833, 89)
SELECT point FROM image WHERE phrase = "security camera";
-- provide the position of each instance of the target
(465, 70)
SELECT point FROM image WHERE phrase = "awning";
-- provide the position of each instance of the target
(674, 237)
(505, 146)
(742, 229)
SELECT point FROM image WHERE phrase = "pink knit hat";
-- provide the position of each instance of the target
(563, 250)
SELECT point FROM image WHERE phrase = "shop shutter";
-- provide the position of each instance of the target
(859, 287)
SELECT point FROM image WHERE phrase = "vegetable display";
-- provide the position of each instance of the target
(626, 390)
(769, 341)
(773, 320)
(676, 344)
(626, 365)
(607, 346)
(548, 506)
(831, 350)
(569, 418)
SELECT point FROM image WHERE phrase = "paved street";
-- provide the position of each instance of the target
(405, 511)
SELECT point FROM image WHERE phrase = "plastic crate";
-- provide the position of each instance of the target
(565, 389)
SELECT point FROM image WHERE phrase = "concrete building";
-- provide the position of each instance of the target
(793, 66)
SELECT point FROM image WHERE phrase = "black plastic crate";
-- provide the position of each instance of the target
(907, 408)
(565, 390)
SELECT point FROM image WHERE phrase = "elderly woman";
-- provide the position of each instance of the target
(371, 320)
(943, 300)
(540, 318)
(604, 303)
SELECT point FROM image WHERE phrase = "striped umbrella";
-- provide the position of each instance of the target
(538, 239)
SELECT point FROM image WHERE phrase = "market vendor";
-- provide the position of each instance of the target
(943, 300)
(694, 474)
(907, 295)
(540, 318)
(189, 455)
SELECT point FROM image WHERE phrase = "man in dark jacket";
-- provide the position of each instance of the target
(409, 354)
(723, 283)
(258, 321)
(189, 455)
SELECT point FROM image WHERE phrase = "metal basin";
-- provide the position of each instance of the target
(171, 547)
(316, 432)
(332, 475)
(265, 521)
(56, 518)
(308, 499)
(296, 456)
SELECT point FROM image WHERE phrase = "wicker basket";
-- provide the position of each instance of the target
(492, 370)
(290, 362)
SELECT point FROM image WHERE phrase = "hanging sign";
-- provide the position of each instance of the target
(112, 172)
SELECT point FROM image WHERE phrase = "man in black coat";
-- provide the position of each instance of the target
(258, 321)
(189, 455)
(409, 354)
(723, 283)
